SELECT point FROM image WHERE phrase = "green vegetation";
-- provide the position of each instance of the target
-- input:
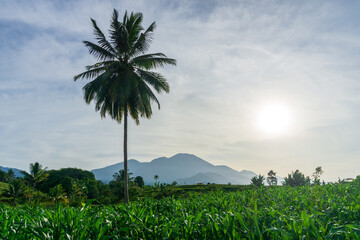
(271, 179)
(122, 81)
(331, 211)
(297, 178)
(258, 181)
(3, 187)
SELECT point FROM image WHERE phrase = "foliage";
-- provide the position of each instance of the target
(16, 190)
(296, 178)
(156, 178)
(139, 181)
(4, 177)
(258, 181)
(272, 179)
(64, 177)
(58, 194)
(3, 187)
(8, 176)
(316, 175)
(37, 174)
(122, 81)
(331, 211)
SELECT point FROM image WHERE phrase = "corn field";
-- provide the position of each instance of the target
(330, 211)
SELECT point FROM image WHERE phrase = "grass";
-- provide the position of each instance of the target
(320, 212)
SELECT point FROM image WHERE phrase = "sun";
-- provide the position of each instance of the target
(274, 119)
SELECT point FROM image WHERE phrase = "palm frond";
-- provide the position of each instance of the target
(156, 80)
(99, 52)
(154, 60)
(150, 94)
(101, 39)
(89, 74)
(96, 69)
(135, 107)
(143, 42)
(133, 26)
(119, 34)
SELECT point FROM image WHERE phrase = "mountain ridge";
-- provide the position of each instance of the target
(182, 168)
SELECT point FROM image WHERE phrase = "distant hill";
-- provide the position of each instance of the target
(182, 168)
(17, 172)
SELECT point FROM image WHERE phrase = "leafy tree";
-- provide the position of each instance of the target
(95, 189)
(296, 178)
(139, 181)
(121, 81)
(272, 179)
(316, 175)
(64, 177)
(258, 180)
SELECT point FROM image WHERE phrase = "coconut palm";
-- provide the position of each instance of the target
(122, 81)
(258, 180)
(37, 174)
(15, 190)
(58, 194)
(156, 177)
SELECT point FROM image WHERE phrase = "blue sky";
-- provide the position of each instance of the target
(233, 58)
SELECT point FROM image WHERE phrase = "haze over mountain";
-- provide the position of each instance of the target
(17, 172)
(182, 168)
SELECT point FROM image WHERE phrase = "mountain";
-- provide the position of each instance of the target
(17, 172)
(182, 168)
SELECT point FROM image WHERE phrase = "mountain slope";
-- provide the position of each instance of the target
(17, 172)
(181, 168)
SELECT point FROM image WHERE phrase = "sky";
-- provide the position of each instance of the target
(234, 58)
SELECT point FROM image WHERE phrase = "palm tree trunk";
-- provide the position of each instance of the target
(126, 191)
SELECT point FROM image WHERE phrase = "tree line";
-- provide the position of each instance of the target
(296, 178)
(72, 186)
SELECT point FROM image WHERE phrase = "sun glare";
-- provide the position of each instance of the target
(274, 119)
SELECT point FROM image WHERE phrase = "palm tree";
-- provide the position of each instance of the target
(122, 81)
(15, 190)
(58, 194)
(258, 181)
(37, 174)
(156, 177)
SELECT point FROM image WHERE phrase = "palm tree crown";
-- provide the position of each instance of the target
(122, 78)
(37, 174)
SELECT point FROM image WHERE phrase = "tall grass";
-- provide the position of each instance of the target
(318, 212)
